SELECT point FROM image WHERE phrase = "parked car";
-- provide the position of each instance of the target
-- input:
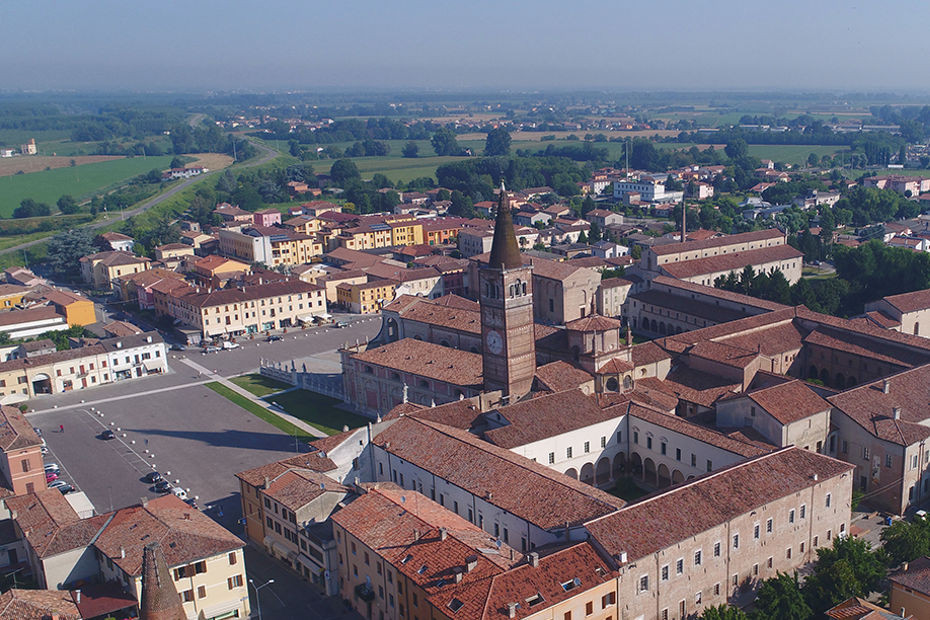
(108, 434)
(56, 483)
(179, 493)
(192, 503)
(178, 347)
(162, 486)
(341, 324)
(152, 477)
(44, 450)
(51, 477)
(65, 488)
(228, 345)
(212, 349)
(273, 338)
(52, 467)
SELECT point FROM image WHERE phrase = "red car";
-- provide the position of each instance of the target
(50, 476)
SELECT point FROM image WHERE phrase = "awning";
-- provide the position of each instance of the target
(307, 318)
(279, 548)
(315, 568)
(152, 367)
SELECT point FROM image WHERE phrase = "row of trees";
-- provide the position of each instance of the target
(478, 177)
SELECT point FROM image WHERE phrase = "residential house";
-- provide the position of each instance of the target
(100, 269)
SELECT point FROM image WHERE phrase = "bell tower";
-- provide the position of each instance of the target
(506, 298)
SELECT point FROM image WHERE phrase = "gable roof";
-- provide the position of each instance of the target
(428, 360)
(543, 417)
(789, 402)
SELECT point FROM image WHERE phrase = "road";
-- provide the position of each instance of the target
(265, 155)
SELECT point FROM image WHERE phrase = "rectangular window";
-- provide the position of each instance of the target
(887, 460)
(829, 497)
(768, 526)
(803, 510)
(232, 558)
(865, 454)
(697, 598)
(710, 465)
(755, 570)
(644, 583)
(755, 531)
(677, 454)
(603, 442)
(663, 447)
(802, 547)
(736, 541)
(788, 553)
(697, 558)
(693, 460)
(589, 608)
(649, 443)
(791, 516)
(665, 573)
(587, 447)
(716, 549)
(188, 595)
(636, 437)
(679, 566)
(716, 589)
(568, 452)
(201, 591)
(25, 464)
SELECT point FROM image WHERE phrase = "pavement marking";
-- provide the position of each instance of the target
(123, 397)
(62, 469)
(129, 449)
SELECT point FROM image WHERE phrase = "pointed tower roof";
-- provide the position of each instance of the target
(505, 254)
(160, 599)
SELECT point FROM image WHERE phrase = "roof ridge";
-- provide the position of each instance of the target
(520, 465)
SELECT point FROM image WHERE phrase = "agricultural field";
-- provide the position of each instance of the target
(791, 153)
(49, 185)
(38, 163)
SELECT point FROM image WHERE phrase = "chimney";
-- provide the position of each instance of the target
(886, 386)
(533, 559)
(148, 339)
(471, 562)
(458, 573)
(896, 413)
(122, 551)
(77, 597)
(629, 336)
(119, 344)
(815, 477)
(512, 610)
(145, 501)
(443, 533)
(267, 482)
(904, 567)
(416, 534)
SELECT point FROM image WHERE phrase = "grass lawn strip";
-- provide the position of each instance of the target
(318, 410)
(259, 385)
(258, 411)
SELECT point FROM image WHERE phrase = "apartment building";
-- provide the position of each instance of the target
(246, 310)
(366, 297)
(99, 363)
(904, 313)
(270, 245)
(100, 269)
(21, 461)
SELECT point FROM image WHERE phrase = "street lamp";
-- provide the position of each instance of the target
(258, 601)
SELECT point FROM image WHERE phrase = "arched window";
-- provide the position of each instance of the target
(524, 288)
(627, 382)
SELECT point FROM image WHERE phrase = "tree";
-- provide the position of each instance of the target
(176, 162)
(344, 172)
(736, 148)
(66, 248)
(445, 143)
(410, 150)
(30, 208)
(67, 204)
(780, 597)
(813, 160)
(462, 205)
(906, 540)
(848, 568)
(594, 235)
(724, 612)
(497, 143)
(587, 205)
(582, 238)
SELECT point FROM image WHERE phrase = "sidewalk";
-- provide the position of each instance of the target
(308, 428)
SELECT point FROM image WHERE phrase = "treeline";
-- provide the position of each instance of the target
(477, 178)
(349, 130)
(866, 273)
(575, 152)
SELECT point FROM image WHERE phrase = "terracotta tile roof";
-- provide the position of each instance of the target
(772, 341)
(717, 293)
(665, 519)
(428, 360)
(910, 302)
(50, 524)
(734, 261)
(296, 489)
(593, 322)
(789, 402)
(315, 461)
(856, 608)
(916, 577)
(403, 274)
(213, 261)
(359, 259)
(873, 333)
(184, 533)
(16, 433)
(559, 376)
(113, 259)
(693, 307)
(615, 366)
(691, 246)
(873, 409)
(648, 353)
(489, 472)
(691, 385)
(554, 270)
(865, 347)
(38, 605)
(41, 313)
(723, 353)
(882, 320)
(544, 417)
(404, 527)
(258, 291)
(525, 581)
(607, 283)
(690, 429)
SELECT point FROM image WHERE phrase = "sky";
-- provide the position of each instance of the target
(623, 45)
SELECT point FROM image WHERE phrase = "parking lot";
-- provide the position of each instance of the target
(174, 424)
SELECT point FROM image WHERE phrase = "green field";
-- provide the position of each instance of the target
(791, 153)
(258, 411)
(49, 185)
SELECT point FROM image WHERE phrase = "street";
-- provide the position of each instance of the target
(173, 423)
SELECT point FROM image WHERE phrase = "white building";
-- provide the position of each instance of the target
(649, 190)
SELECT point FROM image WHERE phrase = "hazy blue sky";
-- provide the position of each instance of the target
(351, 44)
